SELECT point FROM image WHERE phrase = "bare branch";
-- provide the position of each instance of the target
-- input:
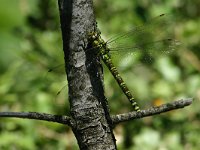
(66, 120)
(151, 111)
(40, 116)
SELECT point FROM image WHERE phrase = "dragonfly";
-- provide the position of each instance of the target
(149, 38)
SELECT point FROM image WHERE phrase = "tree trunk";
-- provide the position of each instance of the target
(88, 106)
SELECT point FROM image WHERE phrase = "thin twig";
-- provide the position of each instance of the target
(39, 116)
(115, 118)
(151, 111)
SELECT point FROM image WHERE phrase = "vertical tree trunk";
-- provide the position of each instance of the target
(88, 105)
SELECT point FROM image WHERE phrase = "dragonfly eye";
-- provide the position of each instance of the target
(92, 36)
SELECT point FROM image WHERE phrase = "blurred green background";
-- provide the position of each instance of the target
(30, 44)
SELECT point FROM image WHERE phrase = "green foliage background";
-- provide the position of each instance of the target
(30, 44)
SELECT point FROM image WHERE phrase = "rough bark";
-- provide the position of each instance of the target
(87, 103)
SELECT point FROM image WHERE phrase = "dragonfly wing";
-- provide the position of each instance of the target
(147, 50)
(156, 28)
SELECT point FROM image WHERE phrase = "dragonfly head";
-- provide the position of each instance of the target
(93, 36)
(95, 39)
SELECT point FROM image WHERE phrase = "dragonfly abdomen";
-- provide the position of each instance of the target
(107, 60)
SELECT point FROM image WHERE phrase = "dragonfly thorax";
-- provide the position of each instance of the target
(98, 43)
